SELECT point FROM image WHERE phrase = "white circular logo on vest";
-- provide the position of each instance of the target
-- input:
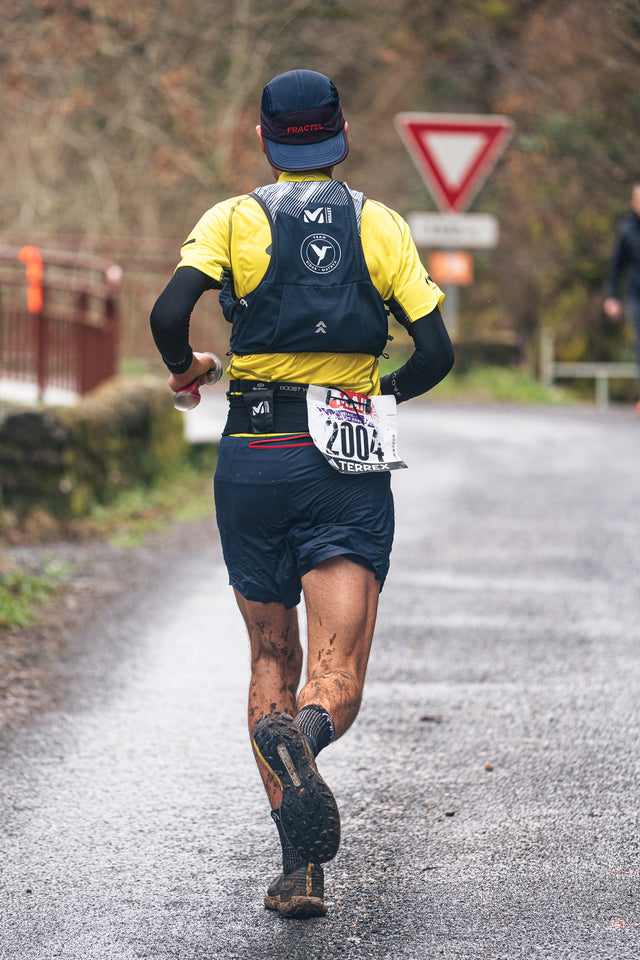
(320, 253)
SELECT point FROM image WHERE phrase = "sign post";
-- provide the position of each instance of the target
(454, 154)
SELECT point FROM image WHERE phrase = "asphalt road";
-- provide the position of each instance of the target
(489, 788)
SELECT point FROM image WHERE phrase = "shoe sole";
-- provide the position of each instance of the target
(309, 812)
(296, 906)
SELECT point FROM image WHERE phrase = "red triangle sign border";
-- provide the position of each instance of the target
(414, 129)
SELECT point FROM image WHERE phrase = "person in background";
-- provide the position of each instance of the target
(308, 270)
(625, 263)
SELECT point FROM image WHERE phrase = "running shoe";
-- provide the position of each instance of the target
(308, 812)
(299, 893)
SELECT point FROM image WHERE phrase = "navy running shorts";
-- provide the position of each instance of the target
(282, 509)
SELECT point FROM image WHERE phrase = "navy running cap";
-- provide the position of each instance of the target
(302, 123)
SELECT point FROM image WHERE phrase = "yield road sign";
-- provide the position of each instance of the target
(454, 153)
(454, 230)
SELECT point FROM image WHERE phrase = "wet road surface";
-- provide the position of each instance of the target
(488, 790)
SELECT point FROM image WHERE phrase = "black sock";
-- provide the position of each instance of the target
(317, 726)
(290, 856)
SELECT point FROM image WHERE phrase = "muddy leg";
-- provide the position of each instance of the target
(276, 663)
(341, 599)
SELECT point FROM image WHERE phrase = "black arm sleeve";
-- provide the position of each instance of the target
(429, 363)
(616, 264)
(171, 315)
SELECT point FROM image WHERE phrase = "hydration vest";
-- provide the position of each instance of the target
(316, 295)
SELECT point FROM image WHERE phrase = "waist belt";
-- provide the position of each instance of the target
(257, 406)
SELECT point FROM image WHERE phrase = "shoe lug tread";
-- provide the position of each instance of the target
(311, 821)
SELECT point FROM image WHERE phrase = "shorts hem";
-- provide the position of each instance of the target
(250, 594)
(340, 552)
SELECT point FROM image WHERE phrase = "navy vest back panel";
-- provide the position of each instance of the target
(317, 295)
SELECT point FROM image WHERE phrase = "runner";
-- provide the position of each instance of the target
(625, 264)
(307, 270)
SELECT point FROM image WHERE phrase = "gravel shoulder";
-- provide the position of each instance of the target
(96, 572)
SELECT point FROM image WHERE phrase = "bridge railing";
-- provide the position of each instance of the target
(59, 318)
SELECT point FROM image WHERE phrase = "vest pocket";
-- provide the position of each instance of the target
(340, 318)
(253, 325)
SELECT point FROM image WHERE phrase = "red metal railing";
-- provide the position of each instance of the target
(59, 318)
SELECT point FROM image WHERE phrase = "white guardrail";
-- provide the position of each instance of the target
(601, 371)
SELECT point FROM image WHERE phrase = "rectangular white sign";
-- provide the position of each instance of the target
(454, 230)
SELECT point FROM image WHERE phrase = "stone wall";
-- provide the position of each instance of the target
(61, 460)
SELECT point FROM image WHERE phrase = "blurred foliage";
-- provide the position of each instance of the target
(22, 593)
(183, 492)
(63, 460)
(130, 120)
(503, 384)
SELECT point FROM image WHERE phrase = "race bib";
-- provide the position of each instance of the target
(355, 433)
